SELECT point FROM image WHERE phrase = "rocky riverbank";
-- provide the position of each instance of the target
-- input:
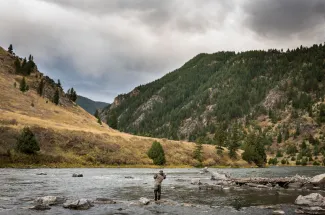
(313, 203)
(221, 180)
(60, 205)
(129, 191)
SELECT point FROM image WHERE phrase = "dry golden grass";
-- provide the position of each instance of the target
(71, 137)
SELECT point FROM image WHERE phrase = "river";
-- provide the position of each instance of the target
(19, 187)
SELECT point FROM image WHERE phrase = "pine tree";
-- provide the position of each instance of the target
(17, 65)
(10, 49)
(157, 154)
(40, 88)
(321, 115)
(234, 142)
(254, 151)
(220, 137)
(279, 138)
(59, 83)
(56, 97)
(96, 113)
(72, 94)
(24, 63)
(112, 120)
(297, 133)
(26, 142)
(23, 85)
(286, 134)
(99, 120)
(198, 152)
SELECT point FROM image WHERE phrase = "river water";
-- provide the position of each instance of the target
(19, 187)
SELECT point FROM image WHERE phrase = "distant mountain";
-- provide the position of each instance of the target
(89, 105)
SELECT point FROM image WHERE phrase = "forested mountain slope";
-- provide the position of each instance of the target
(89, 105)
(262, 88)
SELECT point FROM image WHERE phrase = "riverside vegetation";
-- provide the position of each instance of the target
(44, 115)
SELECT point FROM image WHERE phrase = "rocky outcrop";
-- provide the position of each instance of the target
(318, 179)
(50, 200)
(313, 199)
(81, 204)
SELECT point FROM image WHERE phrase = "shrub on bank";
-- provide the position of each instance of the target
(157, 154)
(26, 142)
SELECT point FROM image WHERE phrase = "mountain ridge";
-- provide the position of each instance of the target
(277, 93)
(90, 105)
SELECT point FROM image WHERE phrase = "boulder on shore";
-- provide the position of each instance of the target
(313, 199)
(50, 200)
(144, 201)
(318, 179)
(81, 204)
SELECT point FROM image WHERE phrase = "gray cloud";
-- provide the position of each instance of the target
(178, 15)
(286, 18)
(107, 47)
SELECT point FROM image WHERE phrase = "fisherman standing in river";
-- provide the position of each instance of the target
(159, 177)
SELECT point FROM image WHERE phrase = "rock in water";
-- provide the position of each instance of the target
(204, 171)
(81, 204)
(104, 201)
(196, 182)
(40, 207)
(295, 185)
(50, 200)
(77, 175)
(313, 199)
(41, 173)
(318, 179)
(144, 201)
(218, 176)
(278, 212)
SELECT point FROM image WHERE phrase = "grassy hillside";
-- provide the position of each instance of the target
(89, 105)
(69, 136)
(274, 93)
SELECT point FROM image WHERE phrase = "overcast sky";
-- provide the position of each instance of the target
(103, 48)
